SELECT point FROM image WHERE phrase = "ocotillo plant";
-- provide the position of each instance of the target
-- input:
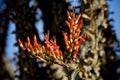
(84, 52)
(50, 52)
(83, 60)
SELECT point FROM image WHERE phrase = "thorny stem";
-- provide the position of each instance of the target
(74, 74)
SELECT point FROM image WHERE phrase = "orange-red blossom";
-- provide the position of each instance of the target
(73, 39)
(51, 51)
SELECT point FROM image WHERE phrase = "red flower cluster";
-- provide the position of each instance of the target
(52, 48)
(34, 49)
(72, 40)
(50, 51)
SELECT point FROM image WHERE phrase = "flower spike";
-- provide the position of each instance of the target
(50, 51)
(71, 40)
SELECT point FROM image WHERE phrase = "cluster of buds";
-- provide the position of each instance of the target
(73, 39)
(50, 50)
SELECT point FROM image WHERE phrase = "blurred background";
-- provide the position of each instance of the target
(22, 18)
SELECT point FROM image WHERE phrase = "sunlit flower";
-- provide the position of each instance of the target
(71, 40)
(50, 50)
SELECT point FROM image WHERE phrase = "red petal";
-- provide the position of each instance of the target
(77, 19)
(28, 41)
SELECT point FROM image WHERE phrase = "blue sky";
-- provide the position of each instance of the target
(114, 6)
